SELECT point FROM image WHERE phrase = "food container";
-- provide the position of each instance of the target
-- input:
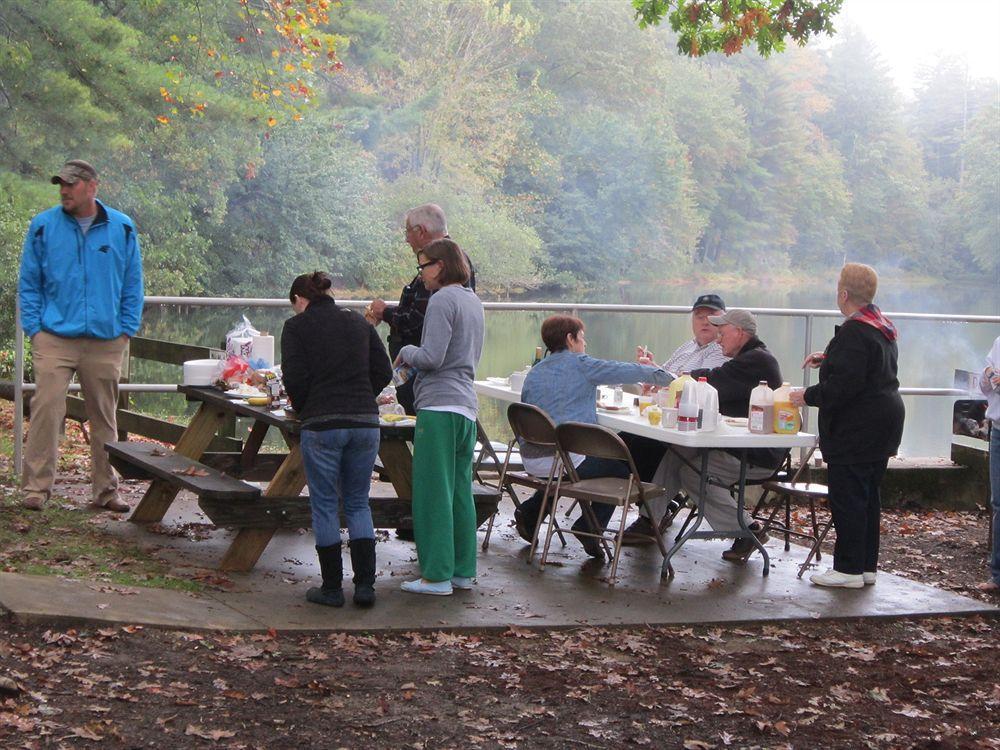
(669, 419)
(200, 371)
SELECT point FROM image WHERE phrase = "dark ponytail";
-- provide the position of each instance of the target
(311, 286)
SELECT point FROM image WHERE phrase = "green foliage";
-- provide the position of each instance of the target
(979, 195)
(20, 199)
(727, 25)
(566, 143)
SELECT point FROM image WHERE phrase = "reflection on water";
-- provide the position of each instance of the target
(928, 351)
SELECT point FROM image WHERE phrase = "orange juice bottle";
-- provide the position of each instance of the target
(787, 419)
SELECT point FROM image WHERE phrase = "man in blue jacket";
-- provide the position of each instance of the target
(81, 300)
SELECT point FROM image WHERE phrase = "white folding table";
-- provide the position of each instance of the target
(725, 436)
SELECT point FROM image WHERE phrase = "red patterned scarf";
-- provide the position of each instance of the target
(871, 315)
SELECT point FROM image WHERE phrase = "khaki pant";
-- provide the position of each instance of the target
(97, 364)
(720, 507)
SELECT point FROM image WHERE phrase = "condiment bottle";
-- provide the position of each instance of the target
(787, 419)
(676, 387)
(761, 417)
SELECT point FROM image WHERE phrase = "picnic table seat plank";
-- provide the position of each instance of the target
(294, 512)
(200, 432)
(180, 471)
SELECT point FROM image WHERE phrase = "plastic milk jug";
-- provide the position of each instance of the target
(787, 419)
(761, 416)
(687, 411)
(708, 405)
(674, 392)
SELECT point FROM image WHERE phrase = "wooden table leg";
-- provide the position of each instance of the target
(398, 462)
(193, 443)
(252, 446)
(249, 544)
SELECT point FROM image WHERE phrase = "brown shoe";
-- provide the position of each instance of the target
(115, 505)
(639, 533)
(743, 547)
(990, 587)
(33, 502)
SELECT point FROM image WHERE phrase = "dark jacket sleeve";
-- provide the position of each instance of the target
(294, 365)
(379, 367)
(736, 378)
(844, 371)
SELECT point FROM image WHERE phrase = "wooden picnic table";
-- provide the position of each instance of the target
(230, 501)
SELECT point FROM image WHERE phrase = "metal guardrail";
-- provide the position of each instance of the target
(571, 307)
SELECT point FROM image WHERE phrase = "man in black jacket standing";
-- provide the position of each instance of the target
(424, 225)
(751, 363)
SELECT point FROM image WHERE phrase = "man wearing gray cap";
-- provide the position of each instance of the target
(750, 363)
(81, 298)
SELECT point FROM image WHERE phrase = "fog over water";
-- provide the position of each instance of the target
(929, 351)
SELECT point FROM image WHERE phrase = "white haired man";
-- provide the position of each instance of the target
(424, 225)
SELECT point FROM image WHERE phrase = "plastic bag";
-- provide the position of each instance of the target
(239, 340)
(233, 370)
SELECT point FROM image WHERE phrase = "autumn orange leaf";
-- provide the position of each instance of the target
(162, 120)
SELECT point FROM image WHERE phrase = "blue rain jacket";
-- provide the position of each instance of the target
(77, 285)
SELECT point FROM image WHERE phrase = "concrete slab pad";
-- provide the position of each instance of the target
(32, 598)
(569, 592)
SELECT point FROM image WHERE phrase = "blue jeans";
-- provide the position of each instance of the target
(995, 501)
(338, 466)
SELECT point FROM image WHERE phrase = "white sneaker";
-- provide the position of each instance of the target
(869, 578)
(434, 588)
(837, 579)
(463, 584)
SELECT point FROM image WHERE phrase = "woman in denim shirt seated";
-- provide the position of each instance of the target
(564, 385)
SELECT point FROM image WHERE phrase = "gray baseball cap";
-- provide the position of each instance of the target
(742, 319)
(73, 171)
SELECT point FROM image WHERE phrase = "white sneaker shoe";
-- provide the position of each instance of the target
(837, 579)
(869, 578)
(434, 588)
(463, 584)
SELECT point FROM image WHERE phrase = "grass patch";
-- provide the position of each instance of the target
(62, 540)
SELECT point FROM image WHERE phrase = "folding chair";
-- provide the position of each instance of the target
(784, 491)
(599, 442)
(531, 427)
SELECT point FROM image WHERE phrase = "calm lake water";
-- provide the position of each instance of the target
(929, 351)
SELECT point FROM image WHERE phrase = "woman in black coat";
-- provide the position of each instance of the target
(333, 365)
(860, 423)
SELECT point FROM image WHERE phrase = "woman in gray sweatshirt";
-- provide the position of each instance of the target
(444, 512)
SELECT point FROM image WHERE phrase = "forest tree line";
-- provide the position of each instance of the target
(567, 145)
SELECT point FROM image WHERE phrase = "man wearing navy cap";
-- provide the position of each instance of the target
(81, 297)
(701, 352)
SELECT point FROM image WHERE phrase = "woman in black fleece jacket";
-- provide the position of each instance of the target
(333, 366)
(860, 423)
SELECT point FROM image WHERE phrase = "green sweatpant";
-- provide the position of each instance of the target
(444, 512)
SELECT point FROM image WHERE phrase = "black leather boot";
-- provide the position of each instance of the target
(363, 562)
(331, 565)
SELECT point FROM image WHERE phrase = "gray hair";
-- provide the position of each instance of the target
(430, 217)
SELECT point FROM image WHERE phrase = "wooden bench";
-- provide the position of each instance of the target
(294, 512)
(148, 460)
(231, 502)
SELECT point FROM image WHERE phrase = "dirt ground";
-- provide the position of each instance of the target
(929, 683)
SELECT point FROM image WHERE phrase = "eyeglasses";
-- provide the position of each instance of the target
(422, 266)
